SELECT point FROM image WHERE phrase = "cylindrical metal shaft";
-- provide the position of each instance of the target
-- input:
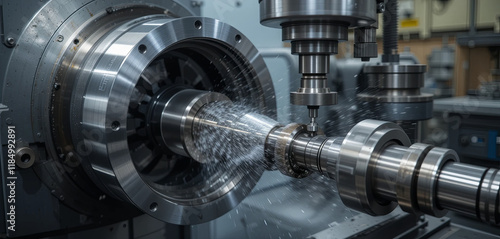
(376, 168)
(386, 171)
(375, 165)
(459, 187)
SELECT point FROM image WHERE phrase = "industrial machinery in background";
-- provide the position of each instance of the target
(439, 80)
(472, 121)
(116, 109)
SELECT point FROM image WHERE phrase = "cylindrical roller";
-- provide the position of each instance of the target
(375, 169)
(306, 150)
(458, 187)
(408, 175)
(489, 197)
(314, 64)
(427, 180)
(386, 171)
(329, 155)
(175, 114)
(355, 169)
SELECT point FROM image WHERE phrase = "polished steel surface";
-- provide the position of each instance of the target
(427, 181)
(408, 175)
(283, 152)
(122, 75)
(314, 28)
(458, 187)
(395, 83)
(133, 90)
(376, 169)
(314, 64)
(394, 94)
(177, 118)
(306, 151)
(386, 171)
(313, 92)
(273, 13)
(489, 198)
(315, 31)
(52, 37)
(365, 140)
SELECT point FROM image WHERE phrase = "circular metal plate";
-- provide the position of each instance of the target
(124, 55)
(273, 13)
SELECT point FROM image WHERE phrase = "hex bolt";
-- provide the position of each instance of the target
(71, 160)
(110, 10)
(8, 121)
(10, 42)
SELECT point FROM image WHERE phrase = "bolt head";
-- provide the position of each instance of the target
(10, 41)
(381, 8)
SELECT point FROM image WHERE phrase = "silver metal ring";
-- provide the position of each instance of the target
(282, 151)
(357, 154)
(428, 178)
(407, 177)
(105, 105)
(489, 197)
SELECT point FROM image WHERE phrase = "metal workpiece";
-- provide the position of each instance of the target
(358, 154)
(318, 153)
(471, 190)
(173, 116)
(228, 133)
(377, 168)
(281, 142)
(489, 197)
(458, 187)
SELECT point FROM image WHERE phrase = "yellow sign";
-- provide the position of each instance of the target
(409, 23)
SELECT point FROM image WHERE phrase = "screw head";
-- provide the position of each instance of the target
(110, 10)
(60, 38)
(10, 41)
(381, 7)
